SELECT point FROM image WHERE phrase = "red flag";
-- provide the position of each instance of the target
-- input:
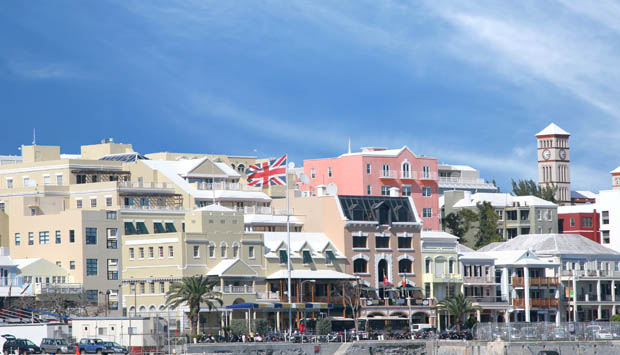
(386, 282)
(404, 283)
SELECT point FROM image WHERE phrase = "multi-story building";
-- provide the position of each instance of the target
(379, 172)
(580, 219)
(517, 214)
(380, 237)
(554, 161)
(441, 275)
(463, 178)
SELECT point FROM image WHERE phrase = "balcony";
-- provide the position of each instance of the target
(255, 210)
(460, 180)
(71, 288)
(229, 289)
(535, 281)
(406, 175)
(487, 299)
(144, 185)
(422, 175)
(590, 273)
(536, 303)
(228, 186)
(152, 208)
(478, 280)
(395, 302)
(388, 174)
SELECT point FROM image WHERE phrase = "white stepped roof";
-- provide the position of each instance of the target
(215, 208)
(502, 200)
(378, 153)
(553, 244)
(552, 129)
(269, 219)
(317, 242)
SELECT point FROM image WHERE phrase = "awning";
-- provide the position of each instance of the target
(276, 306)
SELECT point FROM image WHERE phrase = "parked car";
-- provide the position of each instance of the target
(92, 346)
(21, 346)
(559, 334)
(591, 331)
(603, 334)
(115, 348)
(529, 333)
(55, 346)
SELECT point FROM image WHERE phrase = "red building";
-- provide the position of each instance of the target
(580, 219)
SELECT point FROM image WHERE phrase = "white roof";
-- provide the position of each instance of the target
(224, 265)
(317, 242)
(215, 208)
(502, 200)
(552, 129)
(379, 153)
(587, 208)
(269, 219)
(553, 244)
(70, 156)
(616, 170)
(311, 274)
(437, 235)
(588, 194)
(176, 169)
(22, 263)
(456, 167)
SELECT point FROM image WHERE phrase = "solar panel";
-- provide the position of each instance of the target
(380, 209)
(127, 158)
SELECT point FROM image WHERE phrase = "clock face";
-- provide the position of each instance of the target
(562, 154)
(546, 154)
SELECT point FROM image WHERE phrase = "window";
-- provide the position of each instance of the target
(427, 191)
(427, 290)
(131, 254)
(251, 252)
(223, 251)
(141, 227)
(162, 287)
(78, 203)
(47, 180)
(71, 265)
(283, 257)
(451, 267)
(329, 172)
(586, 221)
(33, 211)
(368, 169)
(382, 241)
(359, 241)
(58, 237)
(108, 201)
(142, 288)
(404, 242)
(44, 237)
(92, 296)
(212, 251)
(360, 266)
(170, 227)
(91, 235)
(605, 237)
(404, 266)
(159, 227)
(385, 170)
(26, 181)
(426, 172)
(18, 238)
(406, 190)
(130, 228)
(111, 215)
(511, 215)
(71, 236)
(59, 179)
(170, 251)
(196, 251)
(160, 252)
(93, 202)
(235, 251)
(500, 214)
(539, 215)
(151, 252)
(307, 257)
(605, 215)
(91, 267)
(112, 269)
(2, 207)
(385, 190)
(312, 175)
(112, 238)
(406, 170)
(9, 183)
(572, 222)
(30, 238)
(329, 257)
(141, 252)
(427, 266)
(427, 212)
(369, 190)
(80, 179)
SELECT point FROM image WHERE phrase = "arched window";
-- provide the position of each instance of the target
(223, 250)
(427, 266)
(241, 168)
(404, 266)
(406, 170)
(212, 251)
(360, 266)
(235, 250)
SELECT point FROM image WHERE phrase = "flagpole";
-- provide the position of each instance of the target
(288, 252)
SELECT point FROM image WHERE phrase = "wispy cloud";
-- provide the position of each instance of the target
(41, 71)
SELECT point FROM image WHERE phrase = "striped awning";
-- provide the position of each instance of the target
(271, 306)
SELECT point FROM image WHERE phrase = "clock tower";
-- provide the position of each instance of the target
(554, 161)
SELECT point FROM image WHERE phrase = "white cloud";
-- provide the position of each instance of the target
(41, 71)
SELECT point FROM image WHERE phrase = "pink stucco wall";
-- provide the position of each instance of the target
(350, 175)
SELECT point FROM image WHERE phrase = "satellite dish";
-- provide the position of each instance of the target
(304, 178)
(291, 165)
(332, 189)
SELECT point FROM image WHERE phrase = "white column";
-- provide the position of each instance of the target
(600, 311)
(574, 297)
(598, 291)
(613, 290)
(526, 292)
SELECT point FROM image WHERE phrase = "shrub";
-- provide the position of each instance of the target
(259, 326)
(615, 318)
(238, 327)
(323, 326)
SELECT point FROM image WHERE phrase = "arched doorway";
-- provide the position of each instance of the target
(239, 314)
(382, 272)
(419, 318)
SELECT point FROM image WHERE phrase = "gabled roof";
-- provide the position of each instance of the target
(316, 241)
(225, 265)
(215, 208)
(437, 235)
(501, 200)
(552, 129)
(553, 244)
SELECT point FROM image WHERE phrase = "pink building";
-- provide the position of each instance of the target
(379, 171)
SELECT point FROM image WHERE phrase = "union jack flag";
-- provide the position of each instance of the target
(272, 173)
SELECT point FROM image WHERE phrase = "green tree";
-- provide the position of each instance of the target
(615, 318)
(193, 291)
(494, 184)
(529, 187)
(239, 327)
(459, 306)
(460, 223)
(323, 326)
(487, 225)
(260, 326)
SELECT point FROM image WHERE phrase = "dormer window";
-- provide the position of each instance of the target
(329, 257)
(307, 257)
(283, 256)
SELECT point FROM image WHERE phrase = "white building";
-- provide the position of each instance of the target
(462, 177)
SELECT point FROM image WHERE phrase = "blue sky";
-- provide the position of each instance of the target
(469, 83)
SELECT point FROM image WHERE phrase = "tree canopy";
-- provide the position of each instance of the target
(193, 291)
(458, 306)
(529, 187)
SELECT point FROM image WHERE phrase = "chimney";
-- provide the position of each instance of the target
(394, 191)
(321, 190)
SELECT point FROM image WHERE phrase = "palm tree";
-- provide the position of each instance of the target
(193, 291)
(459, 306)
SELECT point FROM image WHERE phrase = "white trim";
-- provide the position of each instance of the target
(64, 166)
(152, 241)
(360, 256)
(406, 256)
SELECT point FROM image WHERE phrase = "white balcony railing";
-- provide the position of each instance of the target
(388, 174)
(144, 185)
(460, 180)
(422, 175)
(228, 186)
(152, 208)
(229, 289)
